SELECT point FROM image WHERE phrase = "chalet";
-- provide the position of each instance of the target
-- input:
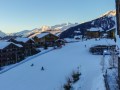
(28, 45)
(99, 49)
(111, 33)
(45, 39)
(93, 33)
(10, 53)
(60, 42)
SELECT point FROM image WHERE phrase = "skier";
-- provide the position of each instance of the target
(32, 64)
(42, 69)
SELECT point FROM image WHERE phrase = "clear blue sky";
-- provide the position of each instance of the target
(17, 15)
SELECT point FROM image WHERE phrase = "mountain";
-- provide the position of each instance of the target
(24, 33)
(104, 22)
(21, 33)
(63, 26)
(45, 28)
(68, 30)
(53, 29)
(2, 34)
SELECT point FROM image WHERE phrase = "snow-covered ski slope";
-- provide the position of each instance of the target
(58, 65)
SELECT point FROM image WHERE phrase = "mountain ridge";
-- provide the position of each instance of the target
(64, 27)
(105, 22)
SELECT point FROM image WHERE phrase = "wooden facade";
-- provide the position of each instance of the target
(111, 34)
(11, 54)
(99, 34)
(47, 39)
(100, 48)
(93, 34)
(28, 46)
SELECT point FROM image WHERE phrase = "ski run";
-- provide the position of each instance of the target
(50, 71)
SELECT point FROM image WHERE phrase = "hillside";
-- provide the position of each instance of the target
(53, 29)
(2, 34)
(105, 22)
(57, 68)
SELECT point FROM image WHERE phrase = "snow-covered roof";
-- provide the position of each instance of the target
(112, 28)
(34, 35)
(22, 39)
(4, 44)
(95, 29)
(77, 31)
(57, 34)
(42, 35)
(78, 36)
(18, 45)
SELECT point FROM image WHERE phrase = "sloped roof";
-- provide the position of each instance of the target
(95, 29)
(42, 35)
(22, 39)
(34, 35)
(17, 45)
(4, 44)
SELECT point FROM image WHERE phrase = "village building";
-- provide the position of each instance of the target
(111, 33)
(93, 33)
(45, 38)
(99, 49)
(10, 53)
(28, 45)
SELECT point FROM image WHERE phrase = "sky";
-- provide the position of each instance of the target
(18, 15)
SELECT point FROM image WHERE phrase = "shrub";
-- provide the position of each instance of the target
(67, 86)
(45, 46)
(75, 76)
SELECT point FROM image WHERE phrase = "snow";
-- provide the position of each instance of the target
(112, 79)
(2, 34)
(32, 36)
(109, 13)
(4, 44)
(77, 31)
(18, 45)
(58, 65)
(21, 39)
(43, 51)
(55, 29)
(92, 22)
(95, 29)
(42, 35)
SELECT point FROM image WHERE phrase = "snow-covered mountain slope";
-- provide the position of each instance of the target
(105, 22)
(2, 34)
(58, 65)
(45, 28)
(25, 33)
(53, 29)
(109, 13)
(21, 33)
(63, 26)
